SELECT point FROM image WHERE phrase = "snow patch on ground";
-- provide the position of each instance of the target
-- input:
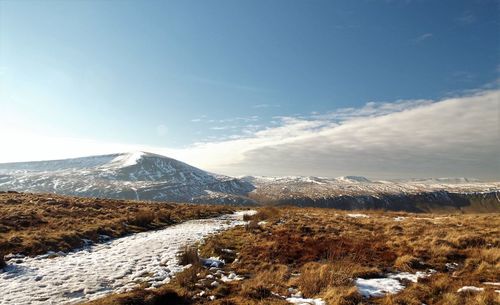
(303, 301)
(378, 287)
(391, 284)
(116, 266)
(412, 277)
(231, 277)
(470, 289)
(295, 297)
(358, 215)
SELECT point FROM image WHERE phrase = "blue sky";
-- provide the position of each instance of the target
(170, 74)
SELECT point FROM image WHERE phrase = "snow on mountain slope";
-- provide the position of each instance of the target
(147, 176)
(354, 192)
(136, 175)
(442, 180)
(357, 185)
(353, 179)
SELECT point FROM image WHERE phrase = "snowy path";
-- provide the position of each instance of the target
(116, 266)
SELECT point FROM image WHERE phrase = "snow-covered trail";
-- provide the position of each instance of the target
(116, 266)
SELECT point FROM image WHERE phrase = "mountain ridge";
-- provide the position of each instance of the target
(148, 176)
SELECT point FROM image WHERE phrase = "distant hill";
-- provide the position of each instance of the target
(147, 176)
(136, 175)
(354, 192)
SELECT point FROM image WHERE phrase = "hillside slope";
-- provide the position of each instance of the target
(137, 175)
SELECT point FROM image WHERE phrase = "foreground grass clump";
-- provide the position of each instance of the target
(189, 256)
(320, 253)
(162, 296)
(36, 223)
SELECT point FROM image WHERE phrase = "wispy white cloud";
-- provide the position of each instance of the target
(266, 106)
(372, 109)
(467, 18)
(244, 119)
(422, 37)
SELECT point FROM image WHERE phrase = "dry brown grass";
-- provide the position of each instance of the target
(143, 218)
(36, 223)
(328, 249)
(343, 295)
(162, 296)
(266, 213)
(189, 256)
(406, 263)
(187, 279)
(320, 252)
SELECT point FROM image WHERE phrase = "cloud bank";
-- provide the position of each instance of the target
(411, 138)
(452, 137)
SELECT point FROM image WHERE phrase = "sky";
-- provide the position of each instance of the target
(383, 89)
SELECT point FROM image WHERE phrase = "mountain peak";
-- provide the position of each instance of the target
(133, 175)
(133, 157)
(127, 159)
(353, 179)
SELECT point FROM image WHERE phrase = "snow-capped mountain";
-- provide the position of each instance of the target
(449, 180)
(136, 175)
(358, 185)
(147, 176)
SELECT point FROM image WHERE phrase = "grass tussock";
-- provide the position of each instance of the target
(187, 279)
(263, 214)
(189, 256)
(343, 295)
(406, 263)
(164, 296)
(258, 292)
(142, 218)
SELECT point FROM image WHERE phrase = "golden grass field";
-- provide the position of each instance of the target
(36, 223)
(321, 251)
